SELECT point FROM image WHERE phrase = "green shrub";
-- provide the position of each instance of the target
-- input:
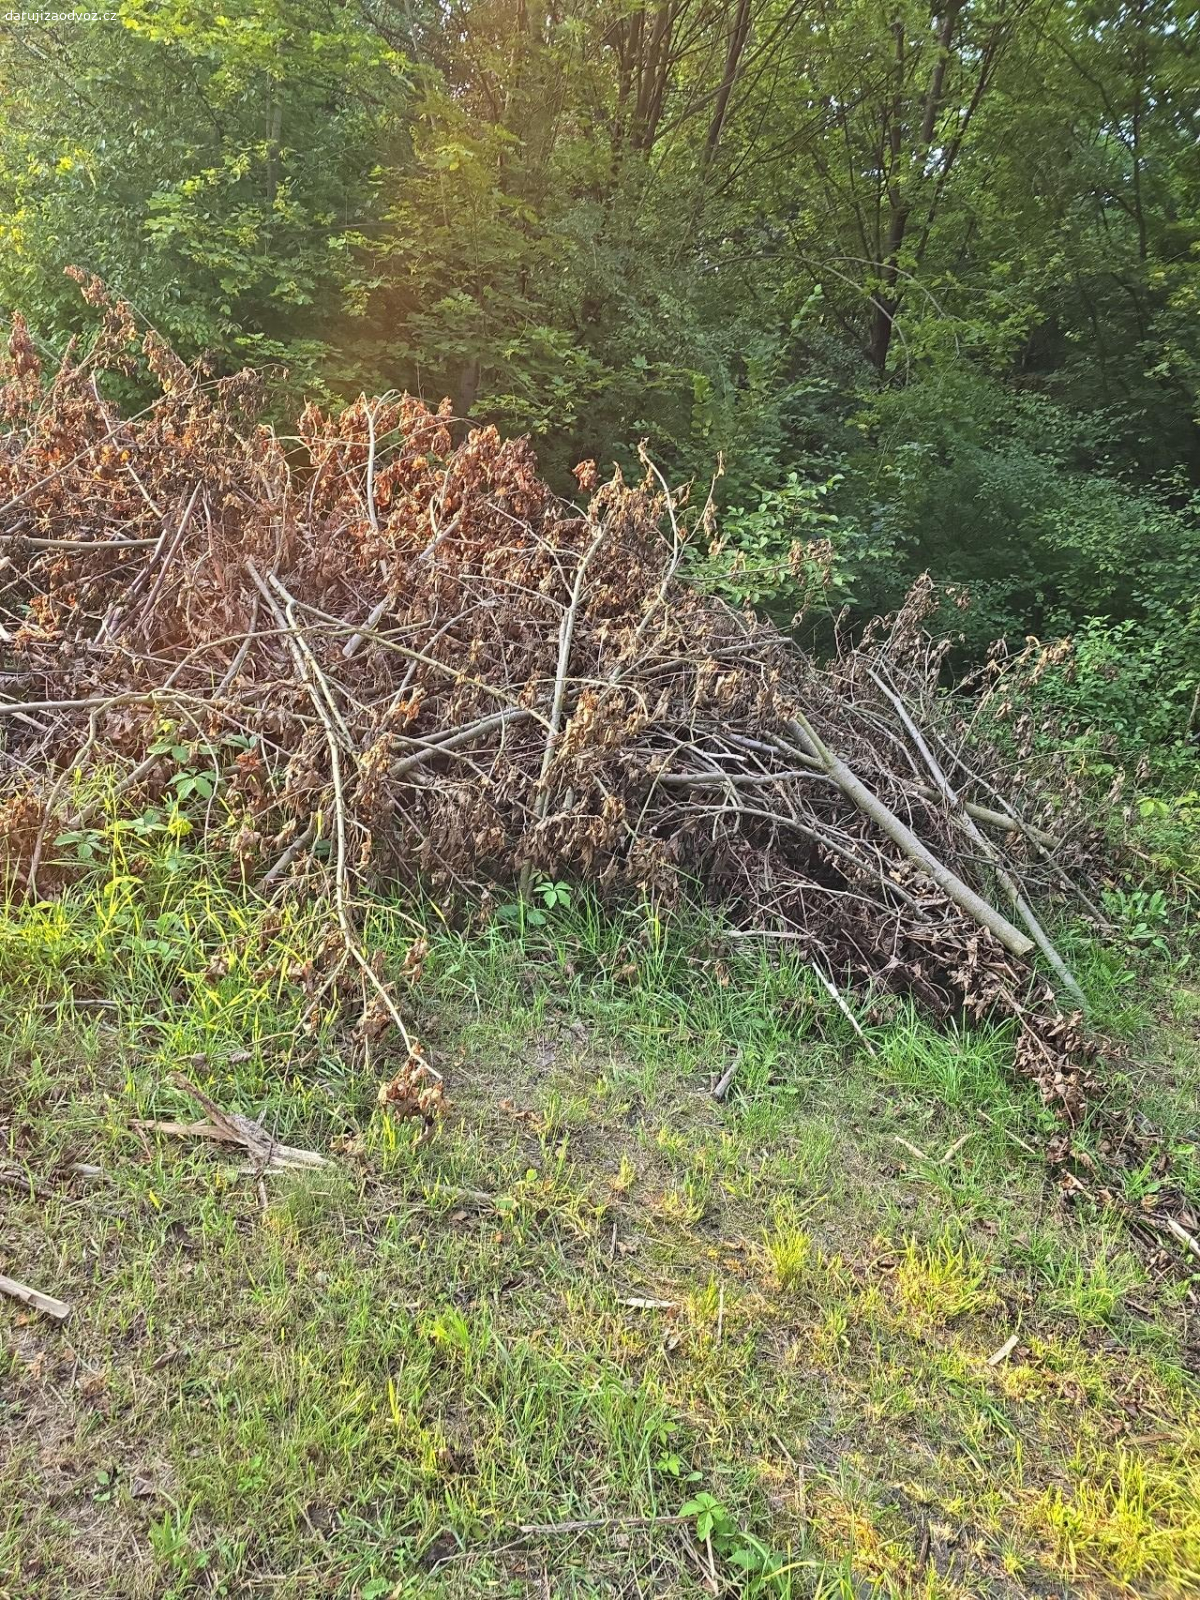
(1023, 502)
(1125, 696)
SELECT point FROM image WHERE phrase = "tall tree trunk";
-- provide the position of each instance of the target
(886, 299)
(274, 135)
(733, 56)
(652, 80)
(467, 388)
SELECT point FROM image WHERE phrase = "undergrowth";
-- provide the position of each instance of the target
(603, 1334)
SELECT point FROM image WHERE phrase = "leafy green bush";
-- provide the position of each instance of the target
(1010, 494)
(1138, 681)
(774, 554)
(1120, 703)
(1168, 828)
(1125, 693)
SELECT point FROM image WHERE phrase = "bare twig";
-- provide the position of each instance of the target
(1186, 1239)
(583, 1524)
(836, 995)
(948, 881)
(341, 896)
(230, 1127)
(566, 634)
(277, 1157)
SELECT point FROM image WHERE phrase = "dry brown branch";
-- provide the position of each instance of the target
(947, 881)
(1004, 821)
(724, 1082)
(838, 999)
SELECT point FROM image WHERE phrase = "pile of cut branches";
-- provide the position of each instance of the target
(406, 661)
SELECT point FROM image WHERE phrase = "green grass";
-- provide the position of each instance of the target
(595, 1296)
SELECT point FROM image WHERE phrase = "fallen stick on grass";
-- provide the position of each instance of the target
(45, 1303)
(583, 1524)
(230, 1127)
(725, 1081)
(1186, 1239)
(836, 995)
(1005, 1350)
(280, 1158)
(19, 1182)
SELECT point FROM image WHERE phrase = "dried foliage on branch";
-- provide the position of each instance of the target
(408, 662)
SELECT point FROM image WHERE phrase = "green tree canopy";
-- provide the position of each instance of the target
(942, 257)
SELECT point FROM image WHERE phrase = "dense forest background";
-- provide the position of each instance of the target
(925, 280)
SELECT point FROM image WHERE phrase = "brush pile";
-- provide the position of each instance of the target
(373, 655)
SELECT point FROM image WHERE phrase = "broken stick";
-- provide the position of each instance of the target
(230, 1127)
(725, 1081)
(45, 1303)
